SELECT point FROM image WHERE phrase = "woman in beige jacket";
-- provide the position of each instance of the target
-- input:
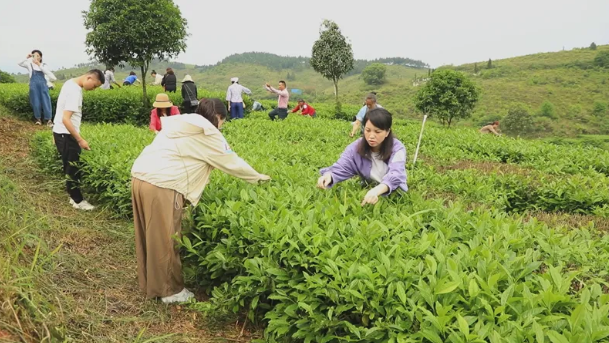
(173, 169)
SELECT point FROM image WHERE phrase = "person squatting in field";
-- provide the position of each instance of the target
(40, 77)
(163, 107)
(234, 97)
(305, 109)
(369, 104)
(378, 157)
(172, 170)
(492, 128)
(282, 100)
(66, 131)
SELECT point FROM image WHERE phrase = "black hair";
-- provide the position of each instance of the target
(209, 108)
(169, 71)
(132, 73)
(382, 119)
(39, 53)
(99, 74)
(285, 84)
(153, 71)
(301, 100)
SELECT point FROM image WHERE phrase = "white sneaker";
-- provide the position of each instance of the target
(181, 297)
(83, 205)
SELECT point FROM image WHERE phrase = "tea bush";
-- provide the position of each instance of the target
(315, 266)
(119, 105)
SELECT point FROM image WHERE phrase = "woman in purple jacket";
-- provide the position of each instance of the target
(377, 157)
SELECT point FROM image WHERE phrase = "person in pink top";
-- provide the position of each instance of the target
(282, 101)
(163, 107)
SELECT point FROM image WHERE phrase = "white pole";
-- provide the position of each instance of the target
(419, 144)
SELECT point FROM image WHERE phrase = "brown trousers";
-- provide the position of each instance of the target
(157, 216)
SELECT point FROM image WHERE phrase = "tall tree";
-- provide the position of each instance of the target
(475, 68)
(448, 95)
(489, 64)
(332, 55)
(134, 32)
(593, 46)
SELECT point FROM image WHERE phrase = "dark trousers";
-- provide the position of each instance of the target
(281, 112)
(236, 110)
(69, 150)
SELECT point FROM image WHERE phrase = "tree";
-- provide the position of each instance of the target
(332, 55)
(134, 32)
(374, 74)
(489, 65)
(448, 95)
(593, 46)
(6, 77)
(475, 68)
(518, 121)
(602, 59)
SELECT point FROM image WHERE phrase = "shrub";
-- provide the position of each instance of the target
(374, 74)
(518, 121)
(602, 59)
(600, 108)
(123, 105)
(6, 77)
(547, 110)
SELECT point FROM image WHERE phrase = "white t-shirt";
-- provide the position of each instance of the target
(109, 79)
(158, 79)
(379, 168)
(70, 99)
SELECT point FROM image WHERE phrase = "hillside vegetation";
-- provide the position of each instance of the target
(573, 91)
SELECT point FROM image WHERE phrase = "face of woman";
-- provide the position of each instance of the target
(36, 56)
(220, 121)
(374, 136)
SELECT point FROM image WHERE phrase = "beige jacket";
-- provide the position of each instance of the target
(184, 153)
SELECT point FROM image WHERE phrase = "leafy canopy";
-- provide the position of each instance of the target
(374, 74)
(447, 95)
(135, 32)
(332, 55)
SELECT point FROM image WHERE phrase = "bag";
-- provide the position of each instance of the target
(194, 102)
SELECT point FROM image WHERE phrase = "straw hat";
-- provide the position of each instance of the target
(187, 78)
(162, 101)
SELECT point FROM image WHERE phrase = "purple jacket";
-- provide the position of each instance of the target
(351, 164)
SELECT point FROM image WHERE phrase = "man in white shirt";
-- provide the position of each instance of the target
(235, 99)
(157, 78)
(109, 76)
(66, 131)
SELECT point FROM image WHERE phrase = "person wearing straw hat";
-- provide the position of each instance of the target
(189, 94)
(234, 98)
(163, 107)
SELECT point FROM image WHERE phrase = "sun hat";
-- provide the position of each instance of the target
(234, 79)
(162, 101)
(187, 78)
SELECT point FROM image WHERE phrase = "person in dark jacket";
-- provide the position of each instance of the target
(170, 82)
(189, 94)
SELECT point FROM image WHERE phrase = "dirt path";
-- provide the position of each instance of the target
(95, 274)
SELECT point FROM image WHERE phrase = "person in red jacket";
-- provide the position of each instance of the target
(163, 107)
(307, 110)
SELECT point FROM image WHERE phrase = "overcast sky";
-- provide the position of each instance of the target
(437, 32)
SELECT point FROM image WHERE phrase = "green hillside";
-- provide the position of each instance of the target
(574, 90)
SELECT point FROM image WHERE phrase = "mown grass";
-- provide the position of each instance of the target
(71, 276)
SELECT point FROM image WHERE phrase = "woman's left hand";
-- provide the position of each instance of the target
(370, 198)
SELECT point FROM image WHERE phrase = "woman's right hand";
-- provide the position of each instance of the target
(29, 55)
(324, 181)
